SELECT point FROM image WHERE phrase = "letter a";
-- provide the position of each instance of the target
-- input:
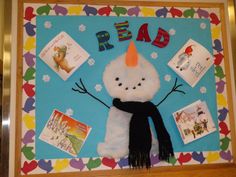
(143, 33)
(162, 38)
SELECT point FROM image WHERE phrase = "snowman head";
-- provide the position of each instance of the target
(130, 77)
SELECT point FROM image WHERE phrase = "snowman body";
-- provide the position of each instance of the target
(116, 140)
(138, 82)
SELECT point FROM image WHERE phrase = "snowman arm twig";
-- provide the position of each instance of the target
(82, 89)
(174, 89)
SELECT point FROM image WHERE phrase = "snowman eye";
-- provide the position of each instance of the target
(117, 78)
(143, 79)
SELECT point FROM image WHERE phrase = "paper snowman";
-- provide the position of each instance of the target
(129, 78)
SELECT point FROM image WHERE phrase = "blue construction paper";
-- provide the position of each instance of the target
(57, 94)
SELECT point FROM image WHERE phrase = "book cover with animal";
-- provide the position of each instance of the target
(191, 62)
(194, 121)
(63, 55)
(65, 133)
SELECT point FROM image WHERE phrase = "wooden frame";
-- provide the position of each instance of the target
(228, 169)
(5, 53)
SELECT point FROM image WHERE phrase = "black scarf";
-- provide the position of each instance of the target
(140, 139)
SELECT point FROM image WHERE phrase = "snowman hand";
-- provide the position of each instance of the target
(82, 89)
(175, 88)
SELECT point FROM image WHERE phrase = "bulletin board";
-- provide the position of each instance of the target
(100, 33)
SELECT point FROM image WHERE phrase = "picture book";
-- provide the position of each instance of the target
(65, 133)
(63, 55)
(194, 121)
(191, 62)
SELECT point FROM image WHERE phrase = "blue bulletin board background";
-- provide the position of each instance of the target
(57, 94)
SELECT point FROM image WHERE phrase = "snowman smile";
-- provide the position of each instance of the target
(136, 86)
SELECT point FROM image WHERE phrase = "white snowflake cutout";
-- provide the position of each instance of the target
(82, 28)
(154, 55)
(69, 112)
(203, 89)
(91, 62)
(167, 77)
(203, 25)
(47, 24)
(172, 31)
(98, 87)
(46, 78)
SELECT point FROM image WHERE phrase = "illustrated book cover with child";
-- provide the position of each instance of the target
(191, 62)
(194, 121)
(65, 133)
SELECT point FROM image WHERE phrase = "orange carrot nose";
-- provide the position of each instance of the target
(131, 58)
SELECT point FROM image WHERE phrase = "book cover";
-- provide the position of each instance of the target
(194, 121)
(65, 133)
(63, 55)
(191, 62)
